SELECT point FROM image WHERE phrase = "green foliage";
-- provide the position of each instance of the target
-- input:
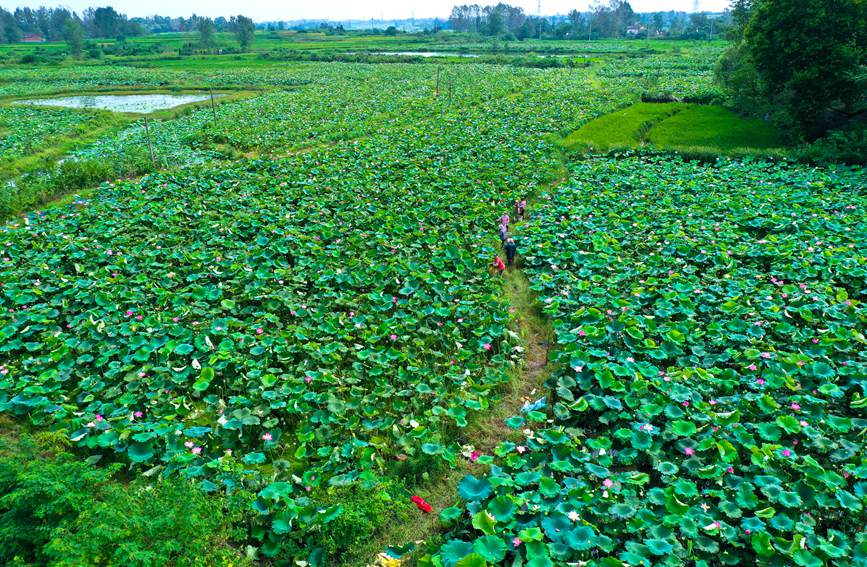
(364, 512)
(709, 374)
(61, 511)
(801, 56)
(621, 129)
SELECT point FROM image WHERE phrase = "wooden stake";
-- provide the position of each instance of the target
(438, 82)
(213, 106)
(150, 144)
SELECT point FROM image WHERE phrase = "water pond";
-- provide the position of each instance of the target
(139, 103)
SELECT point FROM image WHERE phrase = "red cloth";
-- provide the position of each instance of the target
(421, 504)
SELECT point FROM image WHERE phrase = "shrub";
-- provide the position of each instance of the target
(59, 511)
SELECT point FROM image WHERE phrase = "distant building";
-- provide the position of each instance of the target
(635, 30)
(32, 38)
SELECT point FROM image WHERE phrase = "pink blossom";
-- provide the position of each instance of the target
(516, 542)
(129, 312)
(582, 334)
(787, 453)
(766, 355)
(260, 330)
(474, 456)
(760, 381)
(141, 374)
(138, 414)
(139, 317)
(686, 403)
(689, 451)
(815, 340)
(189, 444)
(795, 406)
(266, 437)
(487, 346)
(803, 423)
(730, 469)
(308, 379)
(196, 450)
(176, 319)
(99, 417)
(748, 532)
(752, 367)
(607, 483)
(520, 449)
(393, 337)
(712, 402)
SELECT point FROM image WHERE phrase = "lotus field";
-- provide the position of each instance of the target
(709, 398)
(294, 304)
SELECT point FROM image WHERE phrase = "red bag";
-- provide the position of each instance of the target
(421, 504)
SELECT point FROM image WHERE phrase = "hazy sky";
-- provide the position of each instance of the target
(261, 10)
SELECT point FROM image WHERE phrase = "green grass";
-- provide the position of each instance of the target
(700, 131)
(621, 129)
(713, 126)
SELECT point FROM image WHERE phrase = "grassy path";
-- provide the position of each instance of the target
(486, 431)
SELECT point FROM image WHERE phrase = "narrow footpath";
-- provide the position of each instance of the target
(489, 429)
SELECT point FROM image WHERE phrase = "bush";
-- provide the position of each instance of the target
(839, 146)
(62, 512)
(365, 512)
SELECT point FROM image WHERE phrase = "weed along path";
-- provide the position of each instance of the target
(484, 433)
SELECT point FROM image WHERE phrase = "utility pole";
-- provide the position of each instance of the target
(539, 16)
(438, 82)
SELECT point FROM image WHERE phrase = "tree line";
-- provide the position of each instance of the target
(61, 24)
(615, 19)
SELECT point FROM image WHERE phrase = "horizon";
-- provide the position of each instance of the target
(336, 10)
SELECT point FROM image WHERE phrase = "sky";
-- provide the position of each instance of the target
(275, 10)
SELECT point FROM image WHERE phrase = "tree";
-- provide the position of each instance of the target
(206, 29)
(73, 34)
(245, 31)
(106, 22)
(807, 54)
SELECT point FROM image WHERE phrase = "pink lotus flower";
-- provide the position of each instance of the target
(730, 469)
(267, 437)
(138, 414)
(766, 355)
(260, 330)
(748, 532)
(760, 381)
(582, 334)
(176, 319)
(189, 444)
(516, 542)
(129, 312)
(686, 403)
(607, 483)
(803, 423)
(753, 367)
(520, 449)
(795, 406)
(308, 379)
(393, 337)
(196, 450)
(689, 451)
(787, 453)
(487, 346)
(712, 402)
(815, 341)
(474, 456)
(99, 417)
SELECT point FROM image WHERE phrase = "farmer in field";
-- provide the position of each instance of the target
(505, 219)
(504, 231)
(511, 250)
(520, 206)
(498, 266)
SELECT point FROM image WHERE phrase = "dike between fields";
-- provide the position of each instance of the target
(486, 430)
